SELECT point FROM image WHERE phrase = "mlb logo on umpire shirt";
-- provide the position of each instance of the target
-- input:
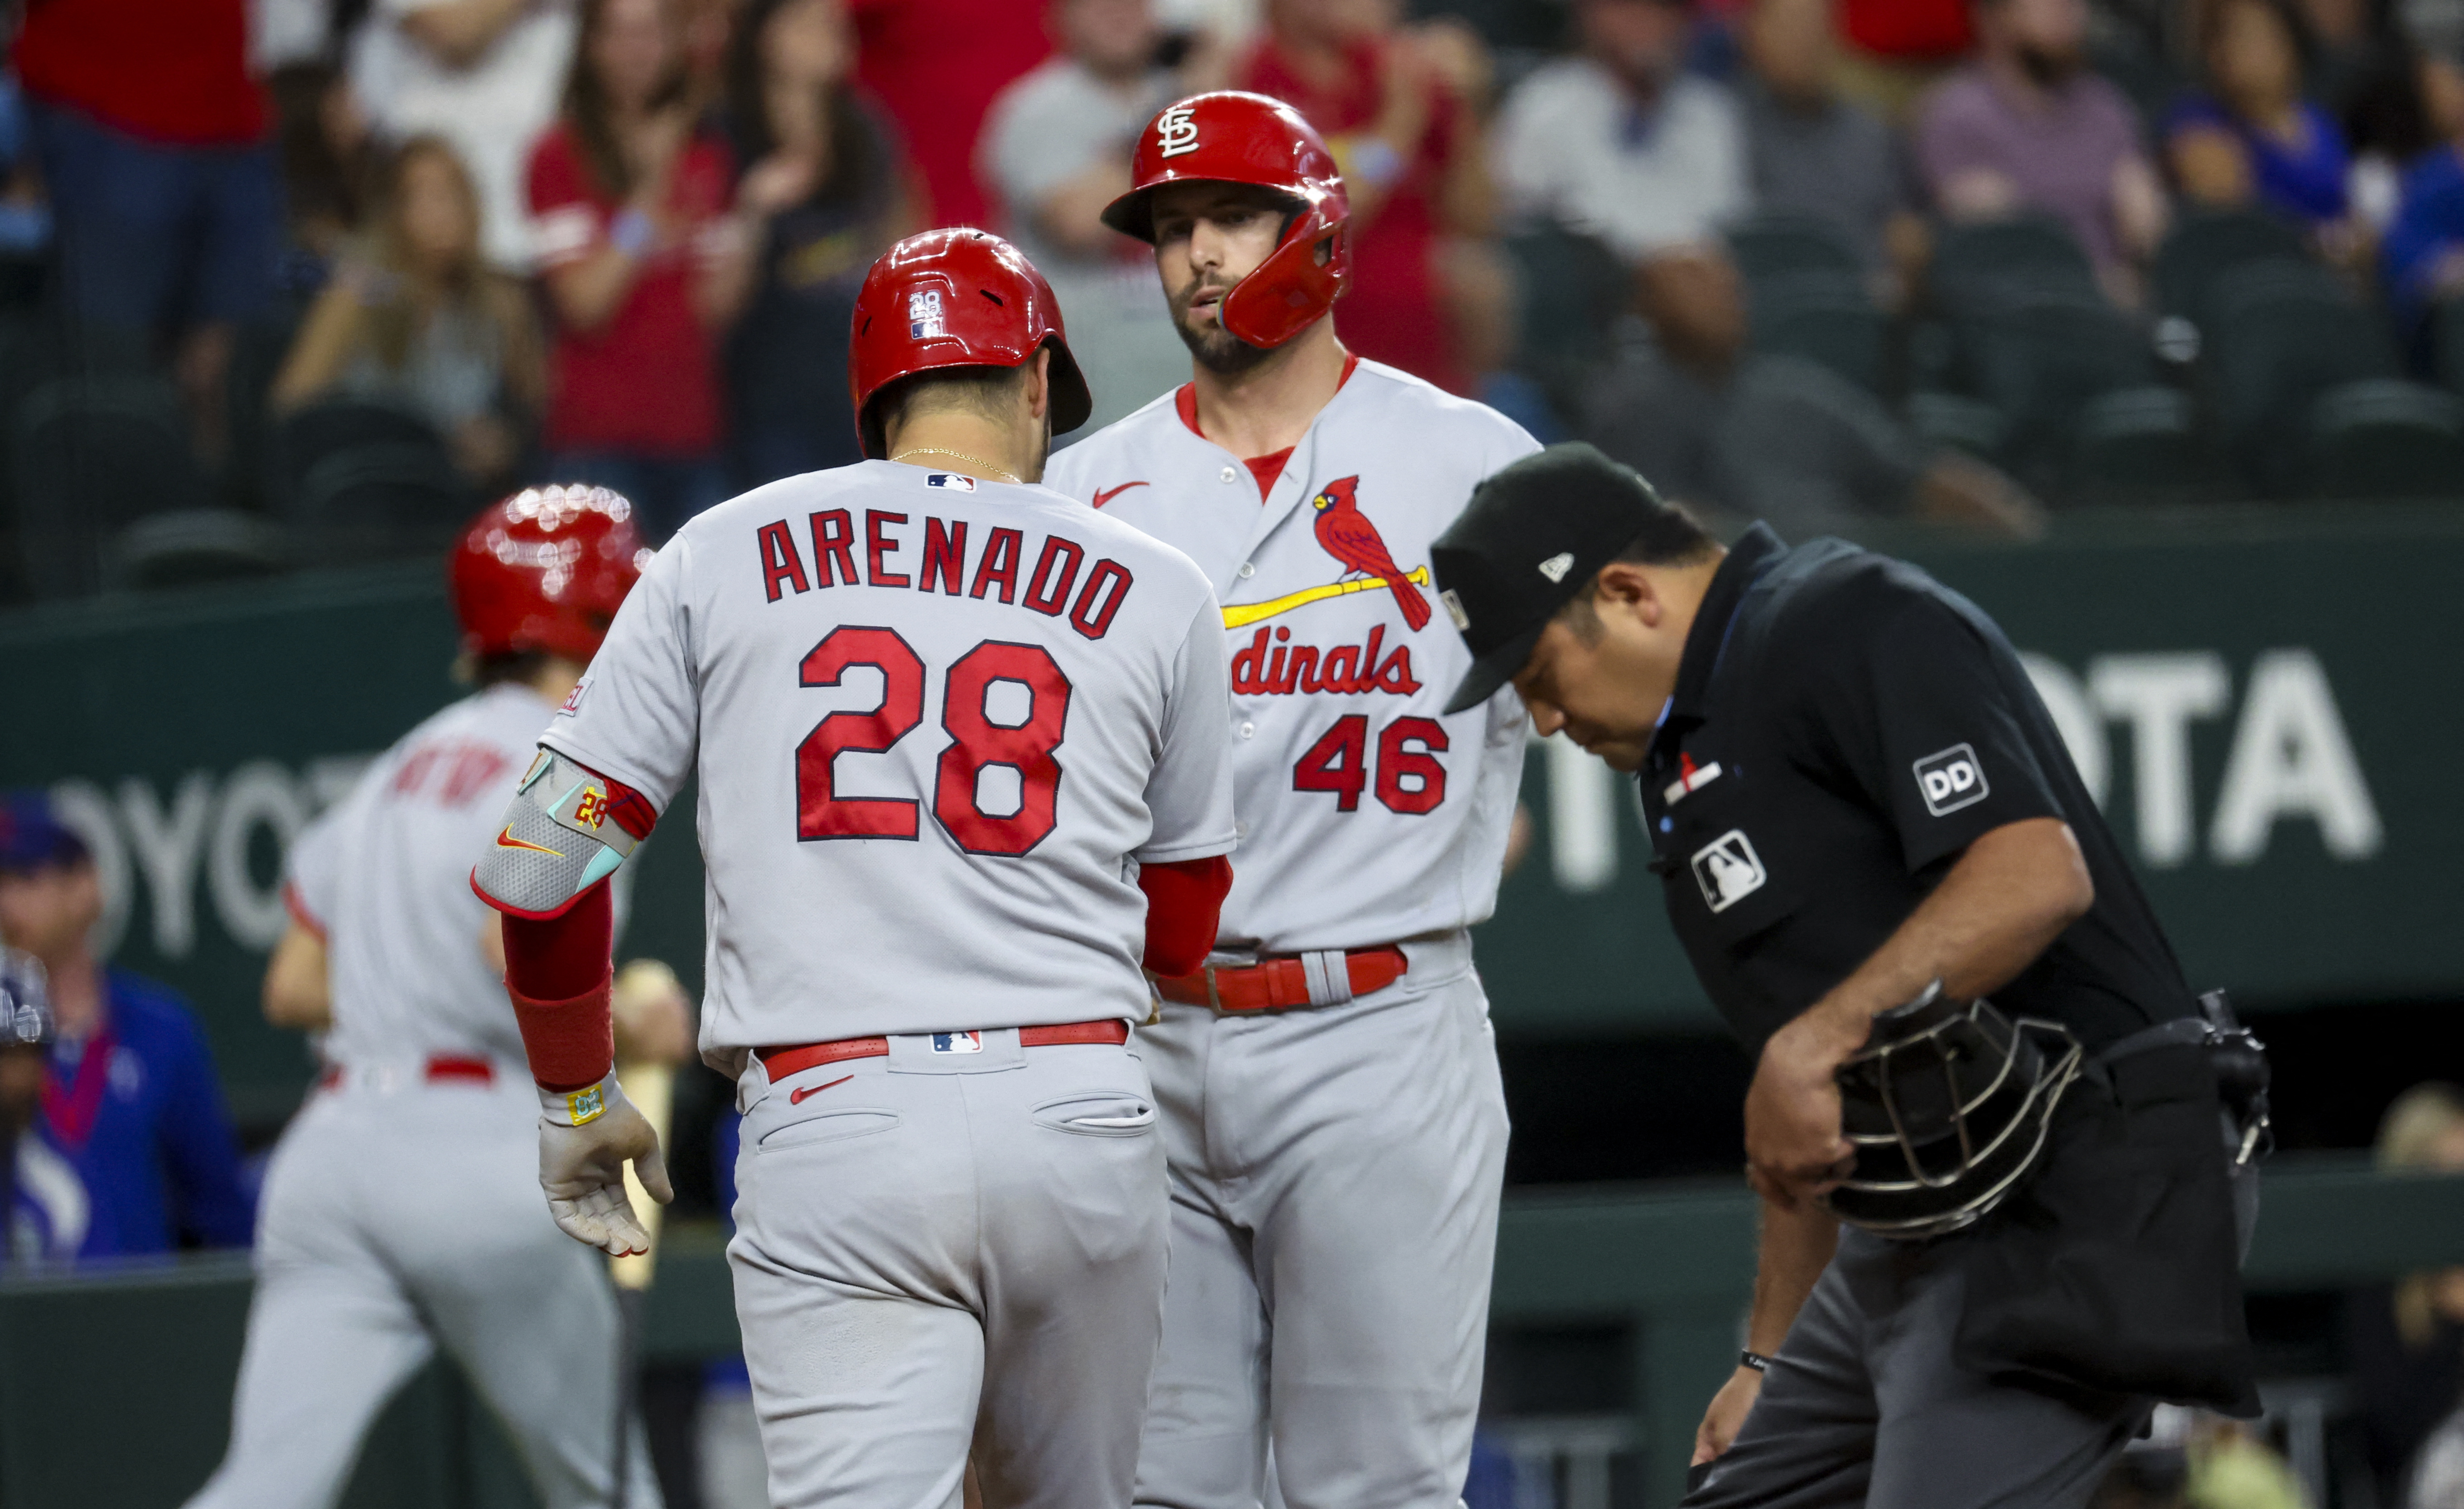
(1951, 779)
(1729, 870)
(957, 1042)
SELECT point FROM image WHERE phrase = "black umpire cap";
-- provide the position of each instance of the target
(1533, 536)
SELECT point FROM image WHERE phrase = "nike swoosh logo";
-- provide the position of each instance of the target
(507, 840)
(797, 1096)
(1105, 495)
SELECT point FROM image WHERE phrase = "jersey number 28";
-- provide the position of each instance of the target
(976, 742)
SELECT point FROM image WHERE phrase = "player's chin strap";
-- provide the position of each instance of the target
(566, 828)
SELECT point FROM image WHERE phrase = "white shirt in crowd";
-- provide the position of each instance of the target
(1571, 145)
(492, 112)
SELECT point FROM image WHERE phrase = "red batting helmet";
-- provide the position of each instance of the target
(547, 569)
(957, 298)
(1230, 137)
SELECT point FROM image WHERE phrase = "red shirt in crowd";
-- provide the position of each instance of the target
(1390, 312)
(935, 65)
(647, 382)
(1916, 30)
(169, 71)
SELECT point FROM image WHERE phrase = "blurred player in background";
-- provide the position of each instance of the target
(400, 1211)
(1333, 1109)
(949, 800)
(134, 1143)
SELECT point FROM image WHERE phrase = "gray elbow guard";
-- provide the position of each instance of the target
(558, 841)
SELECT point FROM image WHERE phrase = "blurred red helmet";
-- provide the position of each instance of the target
(1230, 137)
(957, 298)
(547, 569)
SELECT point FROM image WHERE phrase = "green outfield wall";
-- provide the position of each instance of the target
(2270, 705)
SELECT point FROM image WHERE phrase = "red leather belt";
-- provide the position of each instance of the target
(785, 1061)
(1278, 984)
(439, 1069)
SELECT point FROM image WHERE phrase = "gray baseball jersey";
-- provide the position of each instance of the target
(402, 1211)
(1334, 1170)
(1365, 813)
(932, 719)
(385, 877)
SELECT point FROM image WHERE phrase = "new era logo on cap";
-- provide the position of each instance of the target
(1455, 610)
(1556, 568)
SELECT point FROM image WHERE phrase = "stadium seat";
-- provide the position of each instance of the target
(1981, 264)
(192, 547)
(1780, 245)
(303, 439)
(1958, 421)
(2038, 359)
(387, 498)
(1572, 291)
(2281, 334)
(2208, 244)
(89, 456)
(2137, 445)
(2387, 439)
(1824, 318)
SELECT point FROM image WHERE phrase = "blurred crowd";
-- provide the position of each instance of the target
(298, 280)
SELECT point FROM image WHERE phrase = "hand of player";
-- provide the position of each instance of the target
(583, 1171)
(1726, 1416)
(1794, 1146)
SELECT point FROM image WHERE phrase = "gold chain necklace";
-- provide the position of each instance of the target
(957, 455)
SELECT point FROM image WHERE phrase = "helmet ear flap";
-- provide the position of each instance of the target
(1297, 283)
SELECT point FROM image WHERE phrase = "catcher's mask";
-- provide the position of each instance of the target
(1947, 1104)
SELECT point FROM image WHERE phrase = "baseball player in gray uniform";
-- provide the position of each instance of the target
(961, 767)
(1331, 1107)
(399, 1212)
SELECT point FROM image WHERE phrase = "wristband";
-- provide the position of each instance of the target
(1754, 1360)
(578, 1107)
(631, 232)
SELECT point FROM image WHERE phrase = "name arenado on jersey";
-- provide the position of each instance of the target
(1052, 586)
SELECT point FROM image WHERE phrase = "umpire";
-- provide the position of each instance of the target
(1973, 1046)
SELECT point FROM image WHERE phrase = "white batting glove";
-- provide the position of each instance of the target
(585, 1139)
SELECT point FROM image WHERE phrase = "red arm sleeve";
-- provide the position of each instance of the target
(558, 972)
(1182, 902)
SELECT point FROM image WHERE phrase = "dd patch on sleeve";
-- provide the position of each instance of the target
(1950, 779)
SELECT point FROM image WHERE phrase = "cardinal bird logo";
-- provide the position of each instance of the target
(1348, 536)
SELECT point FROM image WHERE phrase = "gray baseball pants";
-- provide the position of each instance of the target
(1866, 1405)
(940, 1248)
(1335, 1174)
(401, 1216)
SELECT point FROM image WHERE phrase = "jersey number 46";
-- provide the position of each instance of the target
(977, 742)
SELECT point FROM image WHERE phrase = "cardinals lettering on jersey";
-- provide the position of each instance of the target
(941, 560)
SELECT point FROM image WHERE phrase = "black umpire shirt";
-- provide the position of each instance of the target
(1844, 727)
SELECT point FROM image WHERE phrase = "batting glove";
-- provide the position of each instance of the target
(585, 1139)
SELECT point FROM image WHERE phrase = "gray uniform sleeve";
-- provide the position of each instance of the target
(637, 717)
(1189, 792)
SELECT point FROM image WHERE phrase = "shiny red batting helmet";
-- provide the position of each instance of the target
(1230, 137)
(956, 297)
(547, 569)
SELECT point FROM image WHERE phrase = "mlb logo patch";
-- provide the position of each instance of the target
(924, 321)
(957, 1042)
(1729, 870)
(1950, 780)
(950, 480)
